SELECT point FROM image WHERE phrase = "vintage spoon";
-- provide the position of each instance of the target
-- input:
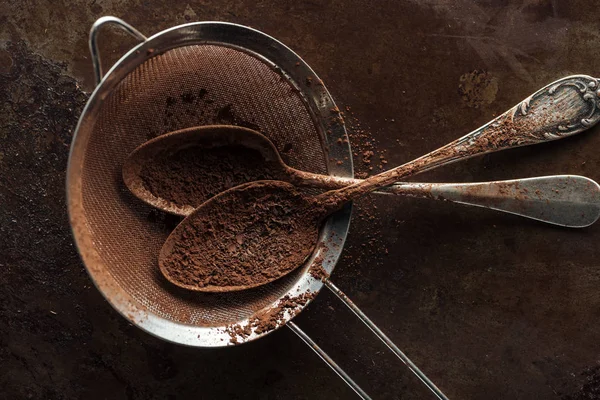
(253, 234)
(574, 205)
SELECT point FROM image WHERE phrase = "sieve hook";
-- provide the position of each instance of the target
(93, 41)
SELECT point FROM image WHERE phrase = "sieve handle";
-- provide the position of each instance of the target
(381, 336)
(93, 41)
(328, 360)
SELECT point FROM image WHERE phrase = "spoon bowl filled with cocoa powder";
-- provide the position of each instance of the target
(180, 170)
(242, 238)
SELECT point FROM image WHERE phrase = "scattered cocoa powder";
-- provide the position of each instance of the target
(273, 318)
(365, 225)
(242, 238)
(270, 319)
(367, 156)
(364, 146)
(365, 245)
(237, 330)
(318, 272)
(192, 175)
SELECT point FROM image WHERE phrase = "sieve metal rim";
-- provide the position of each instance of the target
(316, 97)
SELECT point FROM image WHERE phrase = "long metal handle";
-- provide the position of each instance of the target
(434, 389)
(328, 360)
(561, 109)
(93, 41)
(567, 200)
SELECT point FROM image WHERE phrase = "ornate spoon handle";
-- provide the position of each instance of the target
(561, 109)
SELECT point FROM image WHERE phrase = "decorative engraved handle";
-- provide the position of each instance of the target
(561, 109)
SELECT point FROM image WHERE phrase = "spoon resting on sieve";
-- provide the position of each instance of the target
(255, 233)
(201, 162)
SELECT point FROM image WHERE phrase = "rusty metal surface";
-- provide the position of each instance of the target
(488, 305)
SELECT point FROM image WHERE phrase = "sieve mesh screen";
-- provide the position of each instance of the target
(186, 86)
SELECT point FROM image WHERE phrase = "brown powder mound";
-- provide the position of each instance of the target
(244, 237)
(192, 175)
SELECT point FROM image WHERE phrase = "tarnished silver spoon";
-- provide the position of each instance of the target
(190, 159)
(253, 234)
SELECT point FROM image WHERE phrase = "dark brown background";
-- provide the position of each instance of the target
(490, 306)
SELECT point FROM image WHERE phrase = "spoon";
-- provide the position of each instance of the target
(255, 233)
(189, 156)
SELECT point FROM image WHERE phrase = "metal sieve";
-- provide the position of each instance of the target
(197, 74)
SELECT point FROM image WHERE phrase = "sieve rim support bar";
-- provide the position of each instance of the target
(93, 41)
(403, 357)
(328, 360)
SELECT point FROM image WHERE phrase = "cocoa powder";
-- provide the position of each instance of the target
(316, 269)
(242, 238)
(318, 272)
(237, 330)
(192, 175)
(271, 318)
